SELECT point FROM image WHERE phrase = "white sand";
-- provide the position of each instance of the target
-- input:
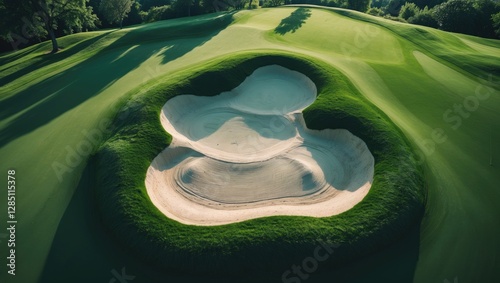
(246, 154)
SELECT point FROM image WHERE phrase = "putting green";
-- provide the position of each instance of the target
(49, 107)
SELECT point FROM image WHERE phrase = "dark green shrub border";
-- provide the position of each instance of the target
(394, 204)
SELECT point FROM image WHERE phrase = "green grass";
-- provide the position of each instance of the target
(49, 101)
(394, 203)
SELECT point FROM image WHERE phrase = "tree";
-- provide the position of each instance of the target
(496, 23)
(358, 5)
(17, 26)
(3, 19)
(456, 16)
(424, 17)
(485, 9)
(71, 12)
(148, 4)
(115, 10)
(427, 3)
(133, 17)
(408, 10)
(273, 3)
(379, 3)
(375, 12)
(182, 7)
(43, 17)
(393, 7)
(81, 22)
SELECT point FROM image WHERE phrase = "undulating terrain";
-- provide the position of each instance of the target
(441, 89)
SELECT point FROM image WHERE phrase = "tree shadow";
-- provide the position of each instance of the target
(42, 102)
(395, 263)
(79, 237)
(293, 22)
(43, 60)
(14, 55)
(84, 250)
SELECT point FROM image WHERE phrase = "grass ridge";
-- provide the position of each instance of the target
(262, 244)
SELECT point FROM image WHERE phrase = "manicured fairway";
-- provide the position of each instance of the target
(441, 89)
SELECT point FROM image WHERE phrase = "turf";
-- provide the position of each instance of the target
(395, 201)
(47, 104)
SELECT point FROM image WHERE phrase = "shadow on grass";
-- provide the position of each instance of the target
(42, 102)
(47, 59)
(13, 55)
(395, 263)
(84, 251)
(293, 22)
(81, 250)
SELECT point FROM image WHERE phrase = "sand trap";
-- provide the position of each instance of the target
(247, 153)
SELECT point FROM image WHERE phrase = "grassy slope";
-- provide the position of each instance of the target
(458, 236)
(266, 243)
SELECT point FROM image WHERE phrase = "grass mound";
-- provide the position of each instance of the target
(394, 203)
(413, 74)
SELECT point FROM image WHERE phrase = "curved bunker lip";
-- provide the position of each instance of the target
(247, 153)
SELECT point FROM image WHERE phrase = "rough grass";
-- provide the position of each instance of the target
(394, 203)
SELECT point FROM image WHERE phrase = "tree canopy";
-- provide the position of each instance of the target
(24, 22)
(408, 10)
(32, 18)
(456, 16)
(358, 5)
(115, 10)
(496, 23)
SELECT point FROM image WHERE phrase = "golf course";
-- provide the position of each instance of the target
(232, 146)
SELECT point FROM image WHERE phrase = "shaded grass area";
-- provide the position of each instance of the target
(82, 219)
(293, 22)
(18, 70)
(84, 46)
(92, 75)
(394, 204)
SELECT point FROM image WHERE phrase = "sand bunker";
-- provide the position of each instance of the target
(247, 153)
